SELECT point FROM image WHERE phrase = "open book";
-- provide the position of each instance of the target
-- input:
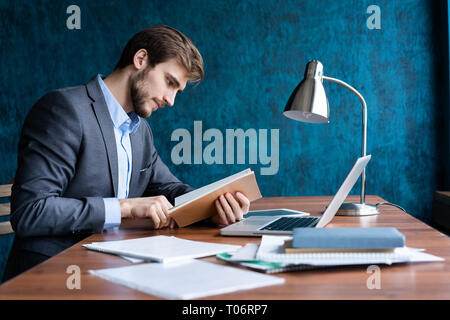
(198, 204)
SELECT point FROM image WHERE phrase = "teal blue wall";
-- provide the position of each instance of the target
(255, 53)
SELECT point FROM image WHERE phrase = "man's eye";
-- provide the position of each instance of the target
(169, 82)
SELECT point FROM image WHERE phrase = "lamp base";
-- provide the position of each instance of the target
(357, 209)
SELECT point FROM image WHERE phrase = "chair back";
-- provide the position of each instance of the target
(5, 209)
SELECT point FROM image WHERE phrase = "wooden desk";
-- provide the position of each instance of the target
(405, 281)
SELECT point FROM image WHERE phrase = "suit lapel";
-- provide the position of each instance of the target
(106, 126)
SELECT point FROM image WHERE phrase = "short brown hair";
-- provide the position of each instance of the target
(163, 43)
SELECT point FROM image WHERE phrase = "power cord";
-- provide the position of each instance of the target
(389, 204)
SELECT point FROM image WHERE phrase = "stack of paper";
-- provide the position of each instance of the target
(269, 256)
(186, 279)
(272, 250)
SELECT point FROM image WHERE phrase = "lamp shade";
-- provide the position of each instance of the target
(308, 102)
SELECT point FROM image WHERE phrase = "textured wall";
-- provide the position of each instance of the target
(255, 53)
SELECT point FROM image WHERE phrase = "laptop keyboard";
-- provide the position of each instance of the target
(289, 223)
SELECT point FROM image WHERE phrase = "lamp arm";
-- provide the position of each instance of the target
(364, 129)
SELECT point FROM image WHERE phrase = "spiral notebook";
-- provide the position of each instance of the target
(272, 250)
(246, 257)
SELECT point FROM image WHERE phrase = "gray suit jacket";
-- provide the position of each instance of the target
(67, 164)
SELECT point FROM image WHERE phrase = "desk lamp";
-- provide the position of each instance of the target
(309, 103)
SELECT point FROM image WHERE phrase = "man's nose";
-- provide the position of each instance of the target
(169, 97)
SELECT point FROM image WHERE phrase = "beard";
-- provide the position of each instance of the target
(139, 96)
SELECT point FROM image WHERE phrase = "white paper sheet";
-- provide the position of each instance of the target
(247, 253)
(187, 279)
(161, 248)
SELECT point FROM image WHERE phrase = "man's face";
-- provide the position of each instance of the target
(153, 88)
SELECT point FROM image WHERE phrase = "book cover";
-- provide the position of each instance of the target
(347, 238)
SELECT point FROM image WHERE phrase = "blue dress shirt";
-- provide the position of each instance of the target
(124, 124)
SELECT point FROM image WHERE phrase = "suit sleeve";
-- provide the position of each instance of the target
(162, 181)
(47, 158)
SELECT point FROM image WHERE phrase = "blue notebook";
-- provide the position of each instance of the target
(347, 238)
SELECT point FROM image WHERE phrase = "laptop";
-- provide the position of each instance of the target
(259, 225)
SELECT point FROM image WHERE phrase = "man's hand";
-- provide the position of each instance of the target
(230, 210)
(155, 208)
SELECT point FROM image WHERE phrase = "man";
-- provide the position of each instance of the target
(86, 158)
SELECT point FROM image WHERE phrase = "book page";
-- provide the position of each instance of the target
(200, 191)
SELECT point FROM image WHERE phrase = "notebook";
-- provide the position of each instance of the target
(259, 225)
(246, 257)
(187, 279)
(350, 239)
(267, 267)
(160, 248)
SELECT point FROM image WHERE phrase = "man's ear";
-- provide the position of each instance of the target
(140, 59)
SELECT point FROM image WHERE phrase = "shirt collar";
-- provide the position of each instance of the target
(121, 120)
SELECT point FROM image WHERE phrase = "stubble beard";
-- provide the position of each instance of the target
(139, 97)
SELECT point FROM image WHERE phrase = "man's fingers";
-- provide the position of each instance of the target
(235, 206)
(158, 216)
(156, 208)
(163, 200)
(221, 213)
(165, 206)
(245, 203)
(228, 211)
(154, 216)
(163, 214)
